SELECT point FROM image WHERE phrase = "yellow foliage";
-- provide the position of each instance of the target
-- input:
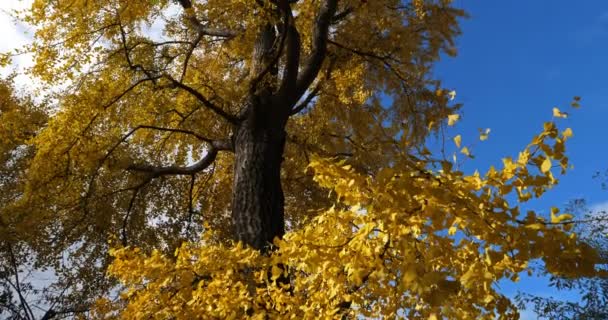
(387, 248)
(376, 228)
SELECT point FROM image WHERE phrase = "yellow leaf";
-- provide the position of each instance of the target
(465, 151)
(559, 218)
(483, 134)
(535, 226)
(452, 119)
(559, 114)
(567, 133)
(410, 274)
(457, 140)
(452, 94)
(452, 230)
(546, 165)
(276, 272)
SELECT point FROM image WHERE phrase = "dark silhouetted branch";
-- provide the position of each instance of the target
(319, 47)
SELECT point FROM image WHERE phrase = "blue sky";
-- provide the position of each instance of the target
(516, 61)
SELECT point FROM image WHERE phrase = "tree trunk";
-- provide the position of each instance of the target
(257, 195)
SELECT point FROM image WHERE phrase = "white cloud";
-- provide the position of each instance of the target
(15, 34)
(527, 315)
(599, 207)
(599, 211)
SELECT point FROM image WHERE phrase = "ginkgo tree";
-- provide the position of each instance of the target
(266, 158)
(20, 119)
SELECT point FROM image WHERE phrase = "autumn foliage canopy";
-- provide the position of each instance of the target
(267, 159)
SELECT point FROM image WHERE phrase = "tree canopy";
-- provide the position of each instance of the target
(268, 158)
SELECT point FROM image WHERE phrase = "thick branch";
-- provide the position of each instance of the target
(319, 47)
(311, 95)
(263, 63)
(204, 30)
(219, 144)
(205, 162)
(315, 92)
(292, 57)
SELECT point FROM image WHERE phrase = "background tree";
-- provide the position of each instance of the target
(160, 107)
(593, 291)
(20, 120)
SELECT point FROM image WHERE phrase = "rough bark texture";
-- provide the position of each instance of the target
(259, 135)
(257, 195)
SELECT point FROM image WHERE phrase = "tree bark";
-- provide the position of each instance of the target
(259, 135)
(257, 194)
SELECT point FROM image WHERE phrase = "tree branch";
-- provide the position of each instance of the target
(204, 30)
(175, 130)
(315, 92)
(17, 286)
(384, 59)
(311, 95)
(206, 161)
(292, 57)
(189, 54)
(125, 221)
(319, 47)
(263, 47)
(201, 98)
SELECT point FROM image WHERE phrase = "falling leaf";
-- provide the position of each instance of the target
(452, 119)
(452, 94)
(483, 134)
(558, 114)
(465, 151)
(567, 133)
(457, 140)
